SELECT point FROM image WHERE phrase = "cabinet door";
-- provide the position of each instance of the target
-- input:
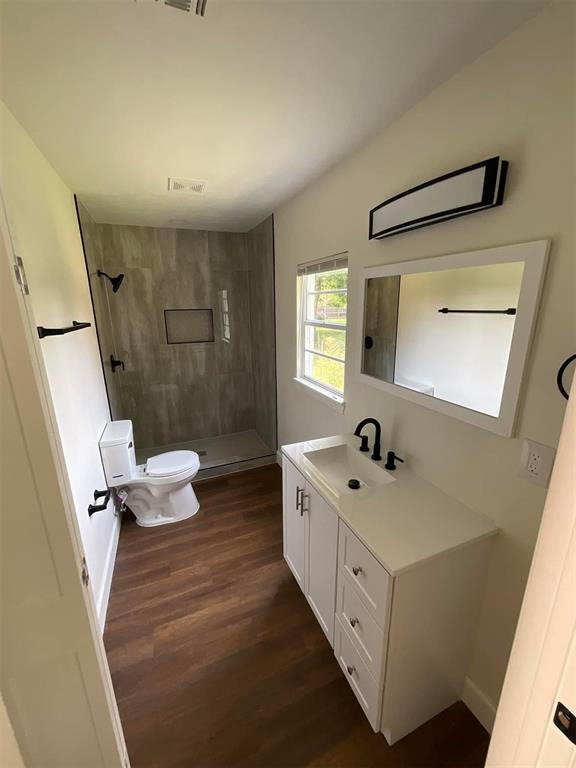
(295, 521)
(321, 559)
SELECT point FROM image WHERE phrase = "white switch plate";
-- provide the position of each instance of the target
(536, 462)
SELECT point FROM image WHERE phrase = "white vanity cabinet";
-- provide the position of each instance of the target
(310, 545)
(395, 581)
(295, 523)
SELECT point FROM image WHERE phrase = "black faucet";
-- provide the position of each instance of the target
(378, 433)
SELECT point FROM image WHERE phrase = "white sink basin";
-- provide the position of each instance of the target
(340, 463)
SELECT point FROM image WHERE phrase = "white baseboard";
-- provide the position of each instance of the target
(479, 704)
(104, 596)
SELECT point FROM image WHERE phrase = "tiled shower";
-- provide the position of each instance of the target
(187, 341)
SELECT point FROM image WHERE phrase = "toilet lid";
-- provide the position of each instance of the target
(172, 463)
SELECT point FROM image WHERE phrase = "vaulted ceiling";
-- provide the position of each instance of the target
(256, 99)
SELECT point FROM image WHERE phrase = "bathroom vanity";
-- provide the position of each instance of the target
(393, 571)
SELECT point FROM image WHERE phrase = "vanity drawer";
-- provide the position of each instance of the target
(360, 626)
(372, 581)
(358, 676)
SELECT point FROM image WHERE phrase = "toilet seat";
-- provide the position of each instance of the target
(172, 463)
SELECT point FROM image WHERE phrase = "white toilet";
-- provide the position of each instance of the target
(159, 491)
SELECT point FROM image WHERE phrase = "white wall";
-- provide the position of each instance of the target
(463, 357)
(44, 230)
(517, 100)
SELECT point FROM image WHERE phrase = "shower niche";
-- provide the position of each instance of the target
(192, 321)
(189, 326)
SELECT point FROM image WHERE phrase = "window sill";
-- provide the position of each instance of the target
(336, 402)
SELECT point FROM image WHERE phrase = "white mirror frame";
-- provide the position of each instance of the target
(534, 255)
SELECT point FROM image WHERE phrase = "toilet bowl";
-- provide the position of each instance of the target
(157, 492)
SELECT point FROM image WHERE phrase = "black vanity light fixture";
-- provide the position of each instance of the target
(115, 281)
(468, 190)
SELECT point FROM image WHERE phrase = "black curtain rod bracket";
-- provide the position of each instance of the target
(76, 326)
(509, 311)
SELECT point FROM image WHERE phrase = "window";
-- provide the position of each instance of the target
(224, 315)
(323, 299)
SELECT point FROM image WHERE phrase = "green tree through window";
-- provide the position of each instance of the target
(322, 340)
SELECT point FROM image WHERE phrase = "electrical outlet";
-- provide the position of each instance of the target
(536, 462)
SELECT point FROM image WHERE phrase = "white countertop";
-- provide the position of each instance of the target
(403, 523)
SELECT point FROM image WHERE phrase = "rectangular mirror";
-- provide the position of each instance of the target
(452, 332)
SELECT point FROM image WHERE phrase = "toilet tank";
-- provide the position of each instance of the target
(117, 451)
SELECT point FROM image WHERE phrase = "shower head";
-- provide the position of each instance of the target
(115, 281)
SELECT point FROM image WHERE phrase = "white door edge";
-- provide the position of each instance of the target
(29, 330)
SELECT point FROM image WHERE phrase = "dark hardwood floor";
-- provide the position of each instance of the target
(217, 660)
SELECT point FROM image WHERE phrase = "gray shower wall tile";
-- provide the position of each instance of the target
(263, 334)
(190, 285)
(179, 392)
(228, 250)
(235, 398)
(381, 324)
(201, 416)
(93, 253)
(128, 247)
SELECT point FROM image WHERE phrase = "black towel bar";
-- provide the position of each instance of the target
(76, 326)
(509, 311)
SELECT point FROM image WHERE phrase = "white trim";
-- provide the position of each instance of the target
(304, 324)
(324, 355)
(30, 370)
(326, 291)
(534, 255)
(330, 326)
(328, 264)
(483, 708)
(328, 398)
(104, 596)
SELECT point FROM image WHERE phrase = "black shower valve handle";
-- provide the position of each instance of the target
(116, 363)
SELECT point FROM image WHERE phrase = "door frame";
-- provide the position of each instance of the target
(24, 357)
(547, 622)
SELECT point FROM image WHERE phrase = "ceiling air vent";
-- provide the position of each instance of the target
(185, 5)
(191, 186)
